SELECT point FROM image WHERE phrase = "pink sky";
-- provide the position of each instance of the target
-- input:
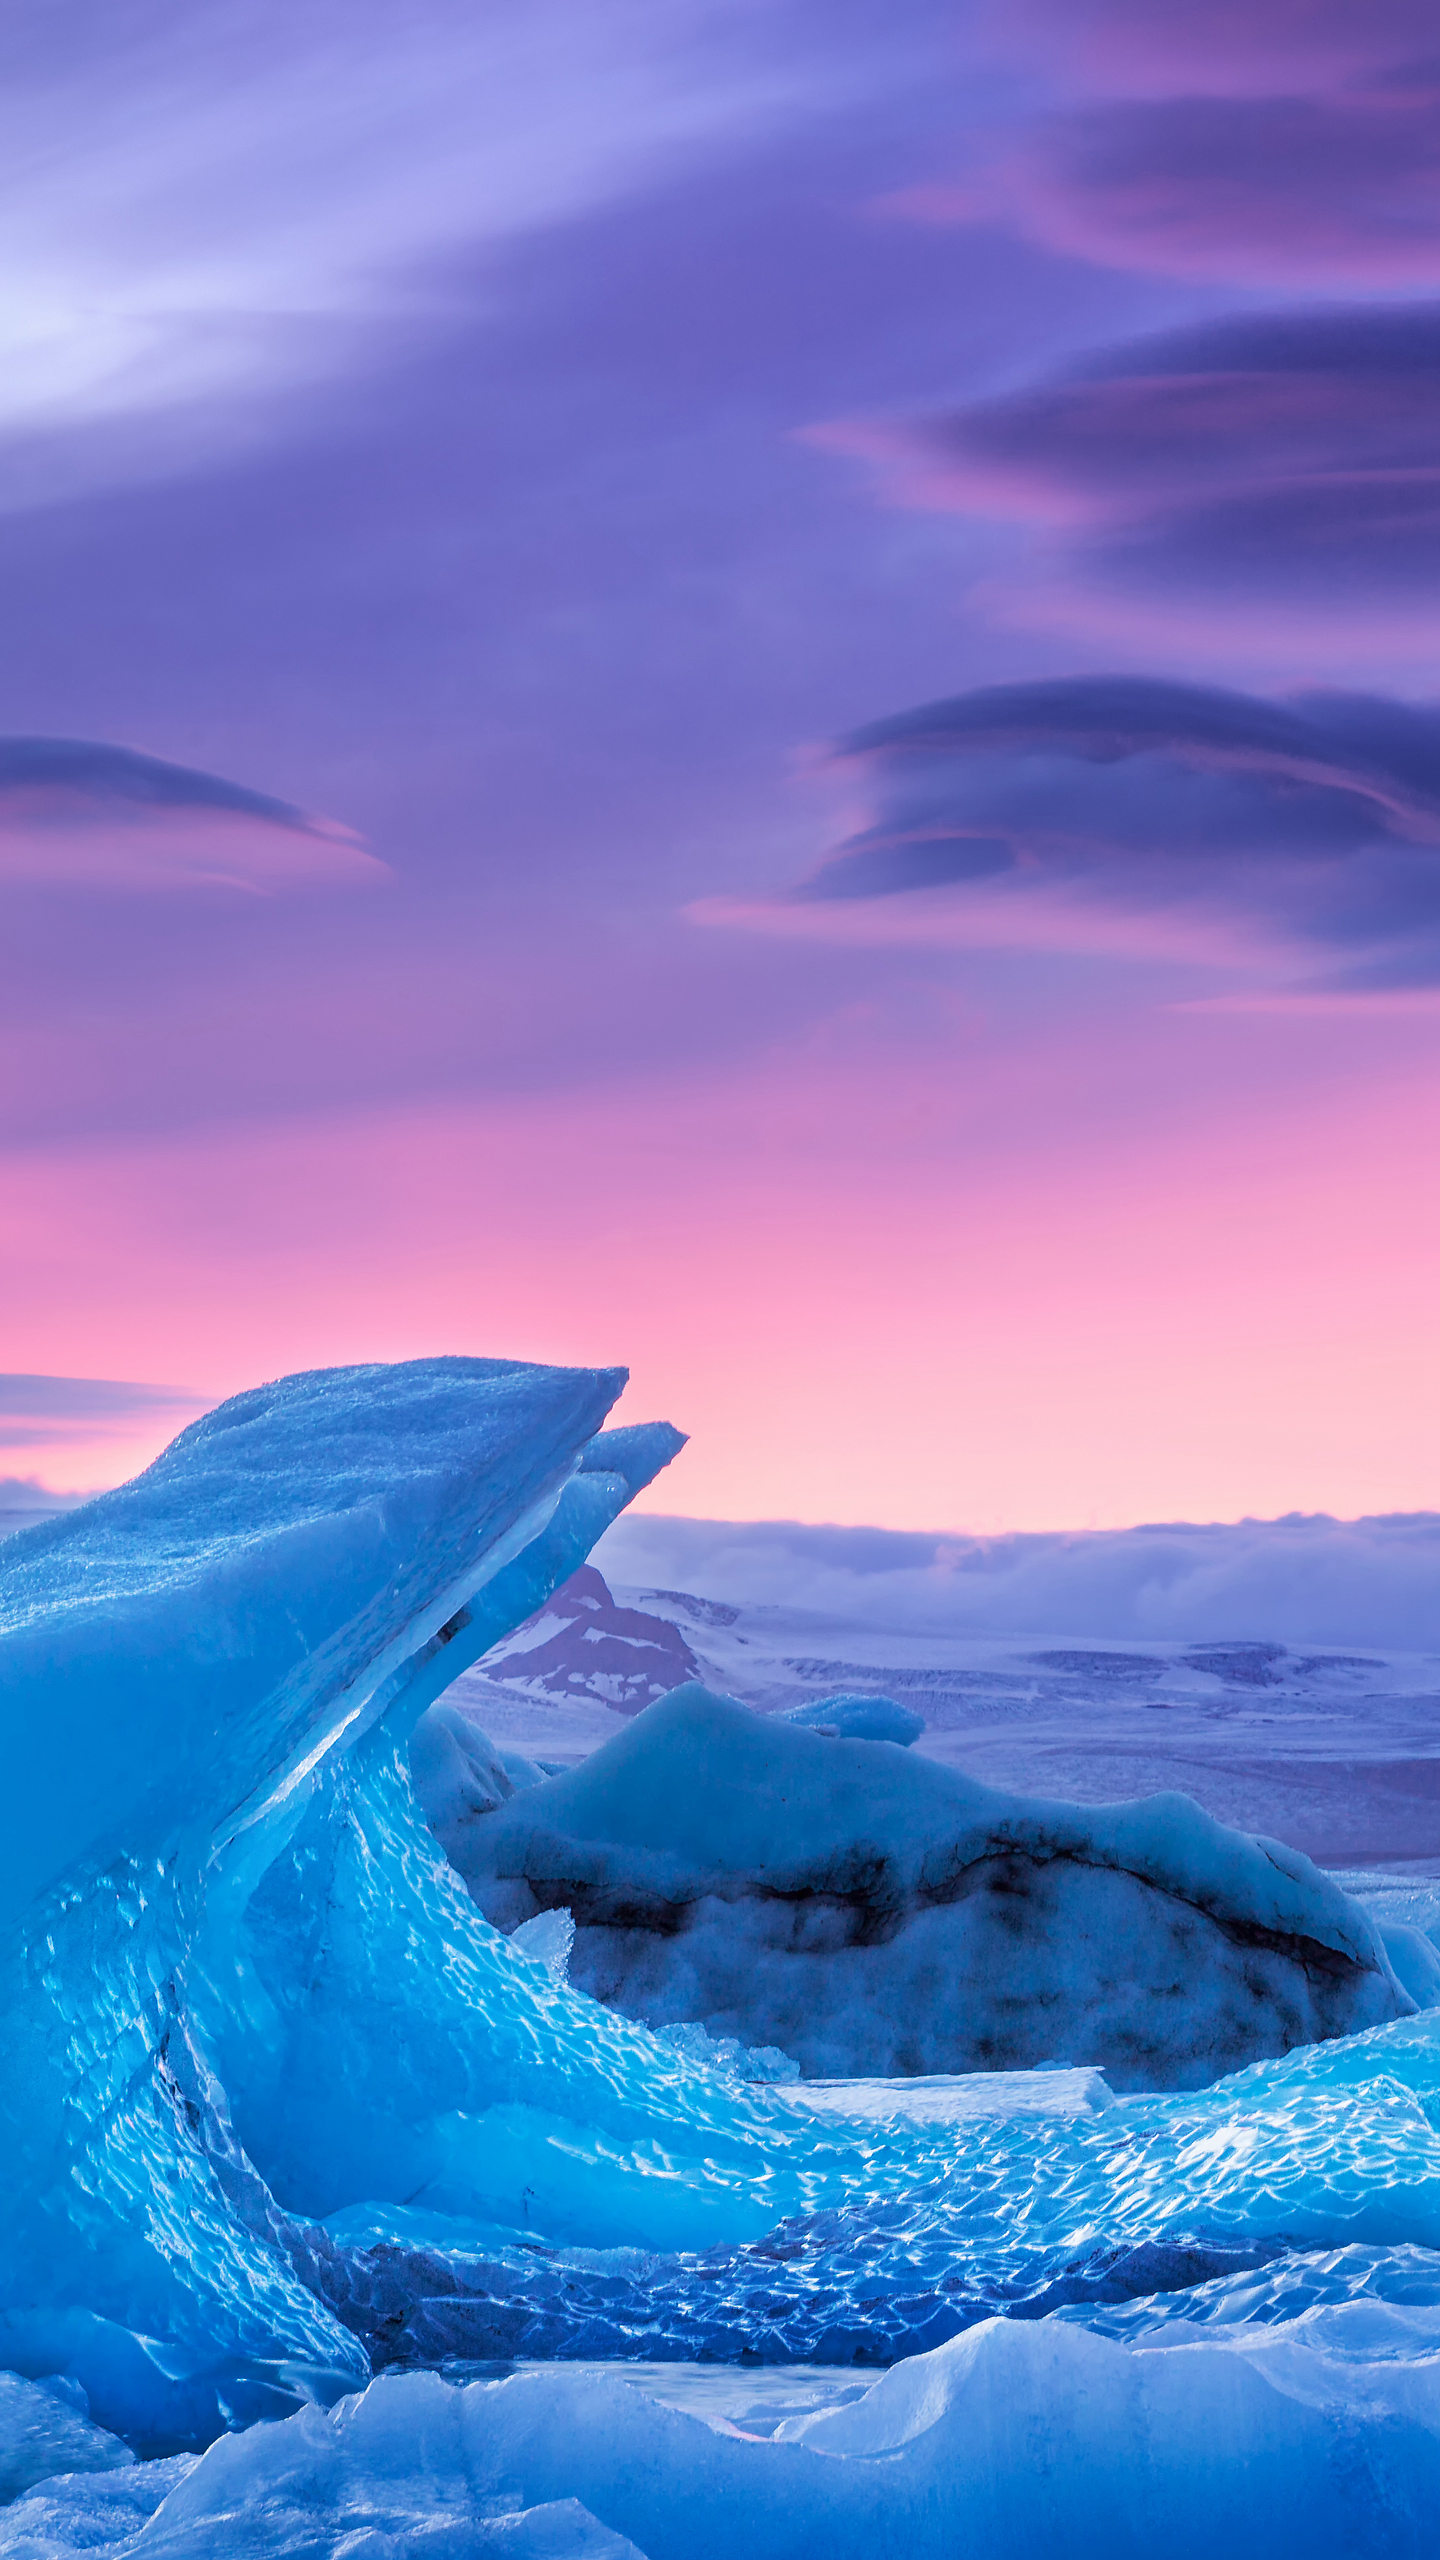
(909, 1299)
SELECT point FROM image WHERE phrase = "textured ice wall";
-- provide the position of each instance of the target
(239, 1984)
(1031, 2198)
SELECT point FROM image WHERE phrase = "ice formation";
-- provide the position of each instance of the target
(870, 1912)
(278, 2108)
(859, 1717)
(1015, 2441)
(242, 1988)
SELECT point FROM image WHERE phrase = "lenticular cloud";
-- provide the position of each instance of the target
(1260, 459)
(76, 811)
(1268, 145)
(1120, 812)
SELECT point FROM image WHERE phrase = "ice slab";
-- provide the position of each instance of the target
(858, 1716)
(955, 2100)
(45, 2428)
(733, 2398)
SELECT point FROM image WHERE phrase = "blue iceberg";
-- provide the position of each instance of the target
(281, 2111)
(868, 1910)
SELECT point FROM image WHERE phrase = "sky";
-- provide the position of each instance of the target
(749, 689)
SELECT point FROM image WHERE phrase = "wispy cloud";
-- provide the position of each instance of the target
(1331, 192)
(1217, 48)
(205, 210)
(73, 810)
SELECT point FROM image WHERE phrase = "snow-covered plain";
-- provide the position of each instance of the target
(1285, 1674)
(279, 2111)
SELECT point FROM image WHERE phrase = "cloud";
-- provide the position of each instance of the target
(39, 1412)
(1328, 192)
(1275, 144)
(1128, 815)
(1219, 48)
(1299, 1581)
(1291, 455)
(23, 1502)
(207, 212)
(75, 811)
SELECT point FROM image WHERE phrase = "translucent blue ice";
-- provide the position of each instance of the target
(278, 2105)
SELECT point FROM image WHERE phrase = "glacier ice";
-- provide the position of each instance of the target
(458, 1774)
(869, 1911)
(279, 2109)
(242, 1987)
(1013, 2440)
(45, 2428)
(858, 1717)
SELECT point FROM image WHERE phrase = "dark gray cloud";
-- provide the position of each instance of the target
(37, 1411)
(1278, 455)
(77, 809)
(1312, 826)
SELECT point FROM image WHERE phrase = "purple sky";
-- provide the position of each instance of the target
(503, 515)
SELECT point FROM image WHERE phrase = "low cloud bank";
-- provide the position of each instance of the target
(1300, 1580)
(36, 1410)
(23, 1502)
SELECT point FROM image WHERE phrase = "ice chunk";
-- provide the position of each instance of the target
(1018, 2439)
(958, 2099)
(859, 1718)
(45, 2427)
(458, 1774)
(872, 1913)
(88, 2510)
(233, 1967)
(275, 2100)
(548, 1938)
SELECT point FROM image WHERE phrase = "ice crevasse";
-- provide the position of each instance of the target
(263, 2057)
